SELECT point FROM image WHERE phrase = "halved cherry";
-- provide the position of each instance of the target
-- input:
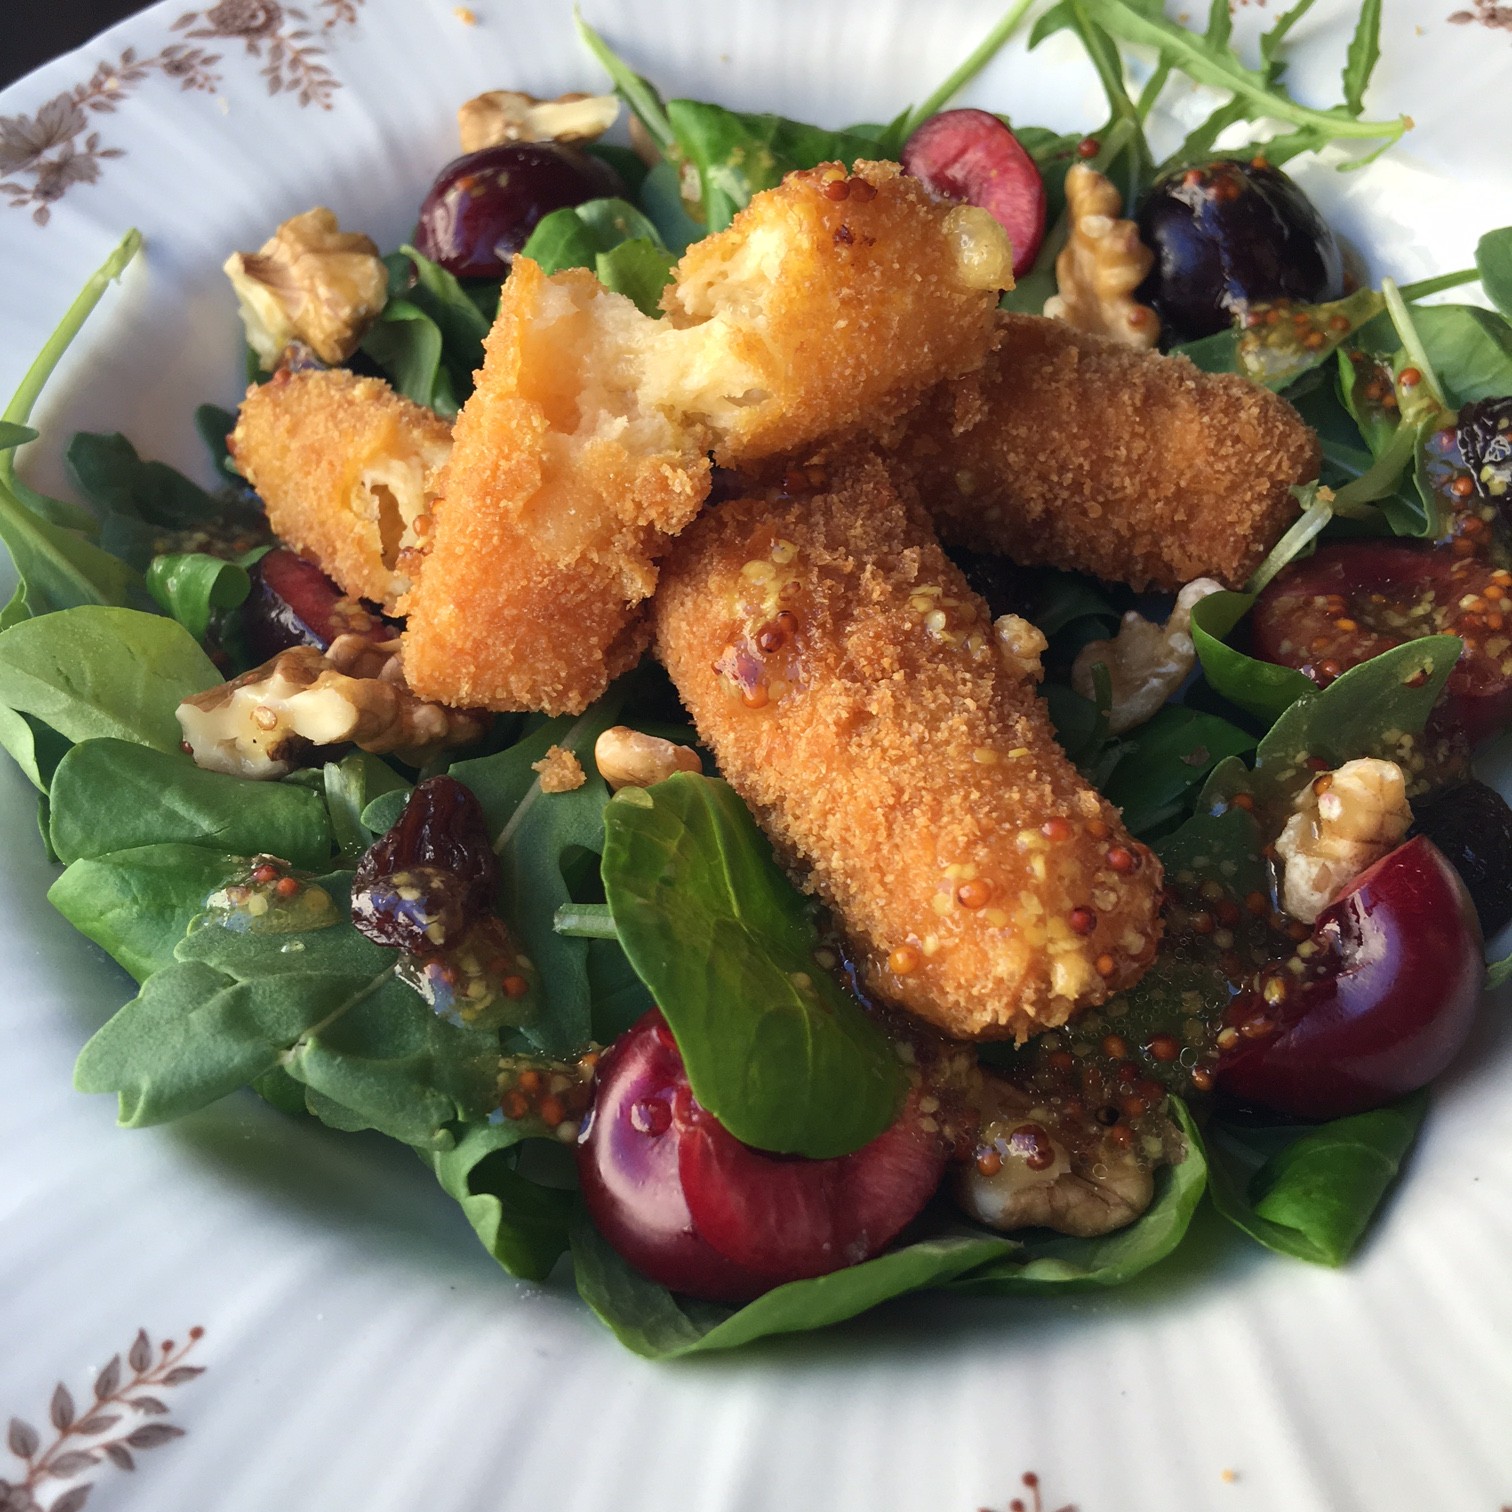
(293, 603)
(687, 1203)
(1384, 1001)
(971, 155)
(1356, 599)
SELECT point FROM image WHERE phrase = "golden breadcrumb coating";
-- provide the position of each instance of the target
(583, 450)
(563, 488)
(830, 301)
(348, 471)
(1068, 450)
(856, 695)
(559, 770)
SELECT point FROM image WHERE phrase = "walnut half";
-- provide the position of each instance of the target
(1101, 265)
(509, 115)
(262, 723)
(311, 282)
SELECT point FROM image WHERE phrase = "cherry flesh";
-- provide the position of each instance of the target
(971, 155)
(1384, 1003)
(1355, 599)
(482, 207)
(687, 1203)
(1228, 235)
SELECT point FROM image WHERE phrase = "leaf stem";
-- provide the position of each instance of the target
(1426, 286)
(986, 50)
(1412, 343)
(585, 921)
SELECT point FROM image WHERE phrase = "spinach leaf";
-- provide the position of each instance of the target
(638, 269)
(1258, 687)
(193, 587)
(215, 425)
(522, 1224)
(1369, 711)
(574, 236)
(351, 785)
(739, 155)
(1314, 1196)
(110, 795)
(774, 1048)
(1049, 1263)
(536, 835)
(1493, 261)
(325, 1005)
(662, 200)
(650, 1320)
(101, 671)
(430, 288)
(1164, 761)
(57, 568)
(407, 344)
(137, 904)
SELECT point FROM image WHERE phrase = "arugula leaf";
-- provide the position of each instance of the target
(55, 567)
(521, 1223)
(194, 587)
(1051, 1263)
(1261, 688)
(1493, 261)
(631, 87)
(774, 1047)
(324, 1004)
(111, 795)
(648, 1319)
(1166, 760)
(1313, 1197)
(100, 671)
(351, 785)
(137, 904)
(1364, 54)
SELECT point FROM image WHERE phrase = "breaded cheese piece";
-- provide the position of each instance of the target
(1069, 450)
(831, 300)
(348, 471)
(890, 741)
(563, 489)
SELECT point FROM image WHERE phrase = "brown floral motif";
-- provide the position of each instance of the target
(43, 155)
(1488, 13)
(1036, 1502)
(280, 38)
(108, 1429)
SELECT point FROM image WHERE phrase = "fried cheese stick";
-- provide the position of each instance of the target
(890, 741)
(830, 301)
(348, 471)
(1069, 450)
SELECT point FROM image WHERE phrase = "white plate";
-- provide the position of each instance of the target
(362, 1351)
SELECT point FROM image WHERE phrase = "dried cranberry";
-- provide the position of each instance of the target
(1472, 824)
(432, 877)
(1485, 442)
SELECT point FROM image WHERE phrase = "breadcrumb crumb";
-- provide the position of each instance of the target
(559, 770)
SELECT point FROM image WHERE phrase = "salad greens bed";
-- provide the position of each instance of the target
(671, 894)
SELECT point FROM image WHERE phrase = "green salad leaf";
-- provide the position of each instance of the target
(1493, 261)
(194, 587)
(1163, 763)
(774, 1047)
(137, 904)
(1261, 688)
(351, 787)
(101, 671)
(112, 795)
(407, 344)
(1313, 1196)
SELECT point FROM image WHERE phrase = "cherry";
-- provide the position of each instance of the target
(293, 603)
(971, 155)
(687, 1203)
(482, 207)
(1354, 599)
(1229, 235)
(1384, 1003)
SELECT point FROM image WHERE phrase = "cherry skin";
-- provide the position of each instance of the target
(687, 1203)
(1355, 599)
(971, 155)
(293, 603)
(482, 207)
(1398, 978)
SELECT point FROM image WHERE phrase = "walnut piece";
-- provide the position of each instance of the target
(559, 770)
(1101, 265)
(626, 758)
(262, 723)
(1344, 821)
(311, 282)
(1021, 646)
(508, 115)
(1146, 662)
